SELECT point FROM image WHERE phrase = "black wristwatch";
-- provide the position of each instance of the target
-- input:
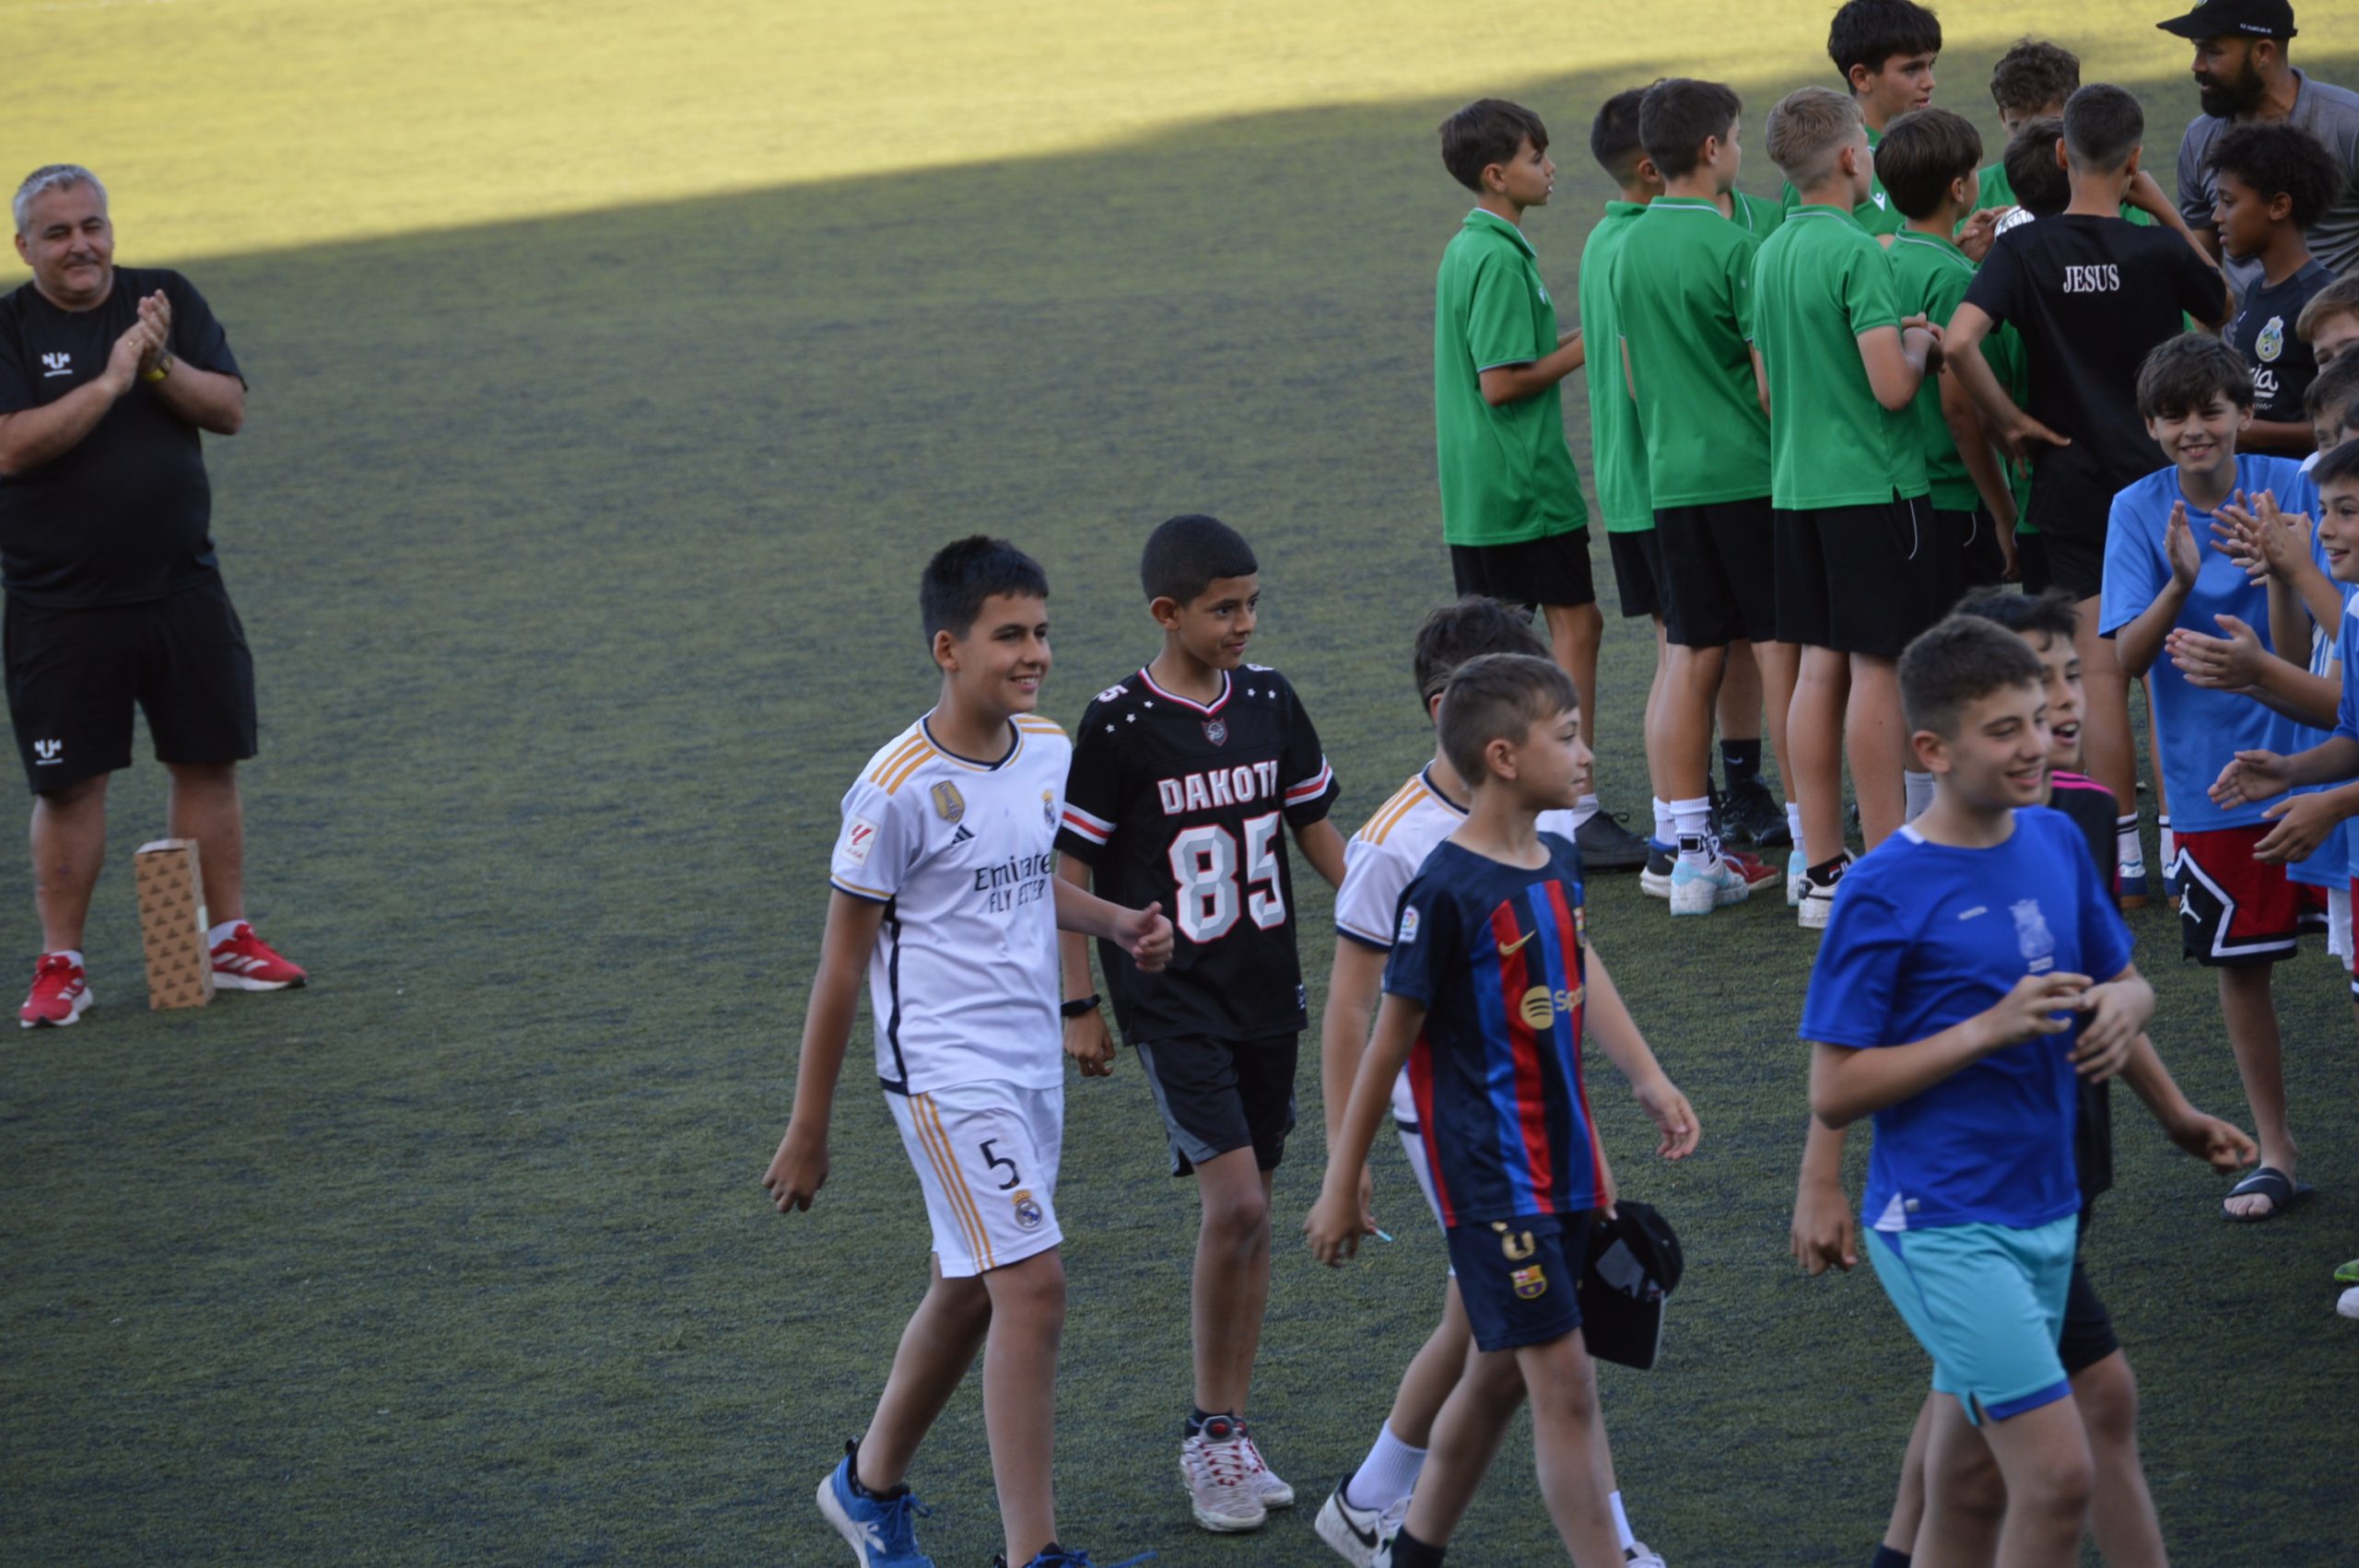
(1080, 1005)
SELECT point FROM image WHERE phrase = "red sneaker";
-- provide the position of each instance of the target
(243, 962)
(1755, 870)
(60, 993)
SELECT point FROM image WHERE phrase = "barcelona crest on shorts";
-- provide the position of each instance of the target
(1530, 1284)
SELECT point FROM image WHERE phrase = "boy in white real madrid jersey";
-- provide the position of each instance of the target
(944, 892)
(1186, 776)
(1380, 863)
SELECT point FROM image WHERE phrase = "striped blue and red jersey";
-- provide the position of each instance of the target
(1496, 955)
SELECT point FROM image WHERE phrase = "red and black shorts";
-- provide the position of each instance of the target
(2234, 909)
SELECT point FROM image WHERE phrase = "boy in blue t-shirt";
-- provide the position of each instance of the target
(2297, 828)
(1974, 970)
(2238, 915)
(1488, 988)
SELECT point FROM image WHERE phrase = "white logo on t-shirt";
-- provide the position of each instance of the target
(2093, 279)
(2033, 938)
(56, 364)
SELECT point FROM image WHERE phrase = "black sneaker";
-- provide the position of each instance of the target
(1607, 845)
(1753, 815)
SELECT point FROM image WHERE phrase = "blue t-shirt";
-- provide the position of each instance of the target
(2330, 866)
(1494, 952)
(2346, 722)
(2200, 729)
(1925, 936)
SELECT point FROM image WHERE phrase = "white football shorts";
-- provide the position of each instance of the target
(986, 1154)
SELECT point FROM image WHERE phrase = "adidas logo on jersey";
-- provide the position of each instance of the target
(963, 833)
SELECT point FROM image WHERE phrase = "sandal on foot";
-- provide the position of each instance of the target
(2272, 1184)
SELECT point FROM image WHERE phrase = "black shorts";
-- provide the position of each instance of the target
(1553, 571)
(1221, 1095)
(1721, 563)
(2075, 561)
(2031, 560)
(1859, 579)
(2087, 1337)
(1520, 1279)
(1986, 559)
(75, 674)
(1971, 557)
(1637, 571)
(2235, 910)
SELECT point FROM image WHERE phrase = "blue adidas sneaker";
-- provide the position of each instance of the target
(882, 1530)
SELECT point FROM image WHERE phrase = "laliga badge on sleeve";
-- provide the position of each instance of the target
(860, 838)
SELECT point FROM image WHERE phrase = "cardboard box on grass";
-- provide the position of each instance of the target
(172, 924)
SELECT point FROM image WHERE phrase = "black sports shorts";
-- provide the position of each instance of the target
(2087, 1337)
(1859, 580)
(75, 674)
(1637, 571)
(1553, 571)
(1219, 1095)
(1721, 562)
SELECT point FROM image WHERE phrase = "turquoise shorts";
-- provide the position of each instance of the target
(1987, 1302)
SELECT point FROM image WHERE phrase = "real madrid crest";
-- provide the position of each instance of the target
(1027, 1210)
(1049, 807)
(949, 801)
(1216, 732)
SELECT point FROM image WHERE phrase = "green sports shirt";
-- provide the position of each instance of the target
(1757, 216)
(1930, 276)
(1507, 476)
(1876, 214)
(1819, 282)
(1683, 300)
(1617, 451)
(1998, 191)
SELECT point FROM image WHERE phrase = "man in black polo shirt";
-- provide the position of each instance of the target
(107, 375)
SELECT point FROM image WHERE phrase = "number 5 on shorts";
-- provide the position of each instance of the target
(999, 1163)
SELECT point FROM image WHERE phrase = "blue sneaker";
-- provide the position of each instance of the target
(2131, 890)
(1058, 1557)
(882, 1530)
(1700, 889)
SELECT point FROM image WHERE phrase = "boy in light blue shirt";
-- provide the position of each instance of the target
(1973, 969)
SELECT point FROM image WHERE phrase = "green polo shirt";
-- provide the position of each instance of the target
(1757, 216)
(1507, 476)
(1929, 277)
(1683, 297)
(1876, 214)
(1617, 452)
(1998, 191)
(1820, 282)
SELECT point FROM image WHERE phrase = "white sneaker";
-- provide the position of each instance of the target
(1818, 905)
(1273, 1492)
(1216, 1465)
(1355, 1533)
(1700, 889)
(1797, 873)
(1638, 1554)
(2348, 1304)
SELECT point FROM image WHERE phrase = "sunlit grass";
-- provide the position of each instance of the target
(234, 126)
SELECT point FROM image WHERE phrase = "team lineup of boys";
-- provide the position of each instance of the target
(1946, 327)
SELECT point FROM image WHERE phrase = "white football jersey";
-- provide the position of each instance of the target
(963, 979)
(1380, 861)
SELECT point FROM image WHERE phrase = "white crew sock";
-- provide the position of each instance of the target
(2128, 849)
(73, 952)
(1665, 833)
(1691, 820)
(1387, 1475)
(2170, 843)
(1794, 823)
(1920, 794)
(223, 931)
(1584, 809)
(1622, 1523)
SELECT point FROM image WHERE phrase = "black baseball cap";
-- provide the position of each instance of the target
(1633, 1265)
(2234, 18)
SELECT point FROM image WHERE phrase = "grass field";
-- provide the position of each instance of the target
(612, 378)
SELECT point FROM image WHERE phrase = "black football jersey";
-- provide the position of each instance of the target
(1186, 804)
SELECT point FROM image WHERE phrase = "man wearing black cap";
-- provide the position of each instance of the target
(2242, 76)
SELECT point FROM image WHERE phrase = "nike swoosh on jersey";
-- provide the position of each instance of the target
(1508, 950)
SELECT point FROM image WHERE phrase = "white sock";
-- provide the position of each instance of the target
(1920, 794)
(2127, 846)
(73, 952)
(223, 931)
(1794, 823)
(1387, 1475)
(1692, 820)
(1622, 1523)
(1584, 809)
(2170, 842)
(1664, 832)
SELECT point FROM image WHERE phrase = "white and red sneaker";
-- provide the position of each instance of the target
(243, 962)
(60, 993)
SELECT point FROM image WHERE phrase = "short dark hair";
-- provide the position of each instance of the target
(1613, 138)
(1677, 117)
(2182, 374)
(968, 571)
(2333, 398)
(1869, 33)
(1188, 553)
(1957, 663)
(1922, 153)
(2103, 126)
(2281, 160)
(1496, 696)
(1465, 630)
(2053, 613)
(2340, 466)
(1485, 132)
(2039, 183)
(2340, 297)
(2032, 74)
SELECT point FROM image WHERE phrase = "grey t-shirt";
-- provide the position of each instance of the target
(2329, 113)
